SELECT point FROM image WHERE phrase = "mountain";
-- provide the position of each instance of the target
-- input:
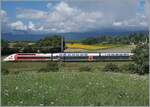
(26, 36)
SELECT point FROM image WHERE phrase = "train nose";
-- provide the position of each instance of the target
(9, 58)
(6, 59)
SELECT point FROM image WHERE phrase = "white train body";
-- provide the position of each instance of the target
(68, 57)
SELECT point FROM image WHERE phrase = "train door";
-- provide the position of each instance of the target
(90, 58)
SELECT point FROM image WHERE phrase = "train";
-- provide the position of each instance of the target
(70, 57)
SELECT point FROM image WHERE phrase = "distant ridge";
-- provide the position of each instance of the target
(25, 36)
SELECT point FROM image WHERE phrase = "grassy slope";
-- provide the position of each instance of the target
(74, 88)
(71, 88)
(35, 66)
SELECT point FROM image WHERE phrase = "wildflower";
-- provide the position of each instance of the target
(41, 104)
(5, 90)
(97, 83)
(6, 94)
(103, 86)
(21, 102)
(87, 47)
(90, 83)
(28, 90)
(16, 88)
(52, 102)
(120, 96)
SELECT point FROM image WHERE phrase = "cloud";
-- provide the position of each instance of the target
(79, 16)
(3, 15)
(67, 19)
(117, 23)
(31, 26)
(31, 14)
(5, 23)
(18, 25)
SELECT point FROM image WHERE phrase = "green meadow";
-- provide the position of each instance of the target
(70, 86)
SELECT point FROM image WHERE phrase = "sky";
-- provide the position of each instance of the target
(63, 16)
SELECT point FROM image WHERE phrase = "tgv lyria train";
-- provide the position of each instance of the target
(68, 57)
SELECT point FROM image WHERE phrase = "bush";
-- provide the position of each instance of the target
(44, 70)
(141, 58)
(110, 67)
(51, 67)
(85, 68)
(4, 71)
(142, 69)
(130, 68)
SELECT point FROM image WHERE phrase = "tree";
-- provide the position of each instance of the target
(90, 41)
(4, 44)
(50, 44)
(141, 58)
(4, 47)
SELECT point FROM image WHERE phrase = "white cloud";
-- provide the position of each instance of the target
(67, 19)
(3, 15)
(41, 28)
(64, 7)
(31, 26)
(18, 25)
(31, 14)
(117, 23)
(143, 24)
(75, 16)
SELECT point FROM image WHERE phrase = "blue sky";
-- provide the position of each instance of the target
(73, 16)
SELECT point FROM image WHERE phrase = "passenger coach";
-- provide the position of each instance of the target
(68, 57)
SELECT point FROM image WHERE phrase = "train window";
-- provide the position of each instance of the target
(75, 54)
(79, 54)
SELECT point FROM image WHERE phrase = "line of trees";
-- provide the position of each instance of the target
(49, 44)
(134, 38)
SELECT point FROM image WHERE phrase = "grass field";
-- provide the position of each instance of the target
(71, 86)
(35, 66)
(89, 47)
(98, 48)
(24, 85)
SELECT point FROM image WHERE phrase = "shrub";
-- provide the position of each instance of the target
(51, 67)
(44, 70)
(110, 67)
(130, 68)
(85, 68)
(4, 71)
(141, 58)
(142, 69)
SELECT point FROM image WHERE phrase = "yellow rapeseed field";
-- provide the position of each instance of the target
(87, 47)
